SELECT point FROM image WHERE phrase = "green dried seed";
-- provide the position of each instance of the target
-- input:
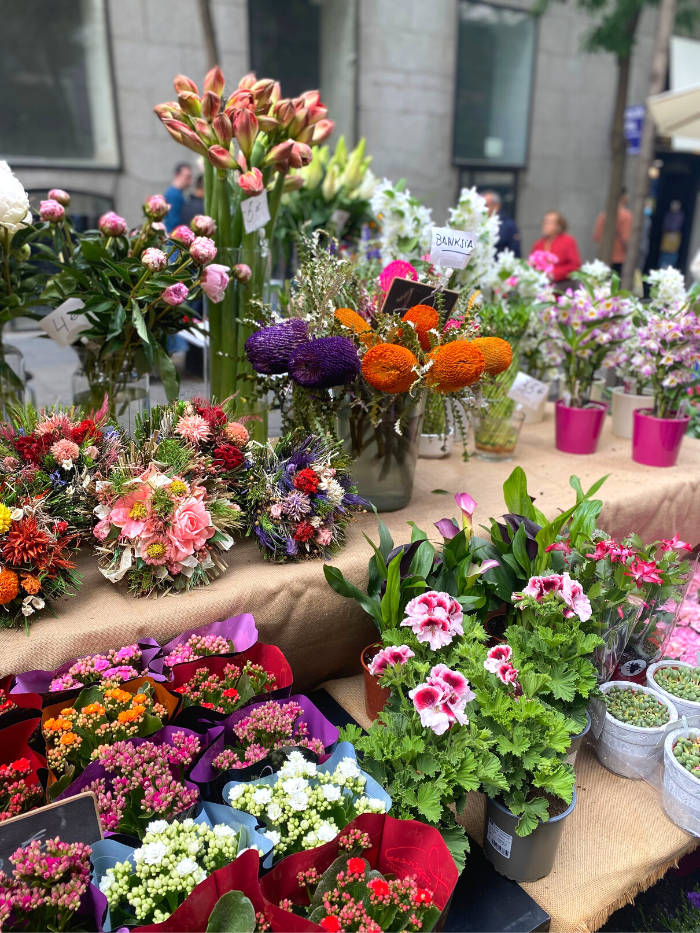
(636, 708)
(682, 682)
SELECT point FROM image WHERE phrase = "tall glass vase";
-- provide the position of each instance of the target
(127, 392)
(385, 461)
(230, 372)
(12, 377)
(496, 429)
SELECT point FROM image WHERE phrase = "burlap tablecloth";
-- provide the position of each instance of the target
(616, 843)
(321, 633)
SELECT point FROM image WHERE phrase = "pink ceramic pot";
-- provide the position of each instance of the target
(657, 441)
(577, 430)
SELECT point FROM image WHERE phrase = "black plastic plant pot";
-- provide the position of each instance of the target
(521, 858)
(577, 741)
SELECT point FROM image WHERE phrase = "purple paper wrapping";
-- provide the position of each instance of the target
(203, 772)
(94, 903)
(240, 629)
(39, 681)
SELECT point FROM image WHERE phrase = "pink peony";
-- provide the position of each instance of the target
(237, 433)
(190, 530)
(323, 536)
(389, 657)
(214, 281)
(242, 273)
(174, 295)
(434, 618)
(156, 207)
(193, 428)
(154, 259)
(58, 194)
(101, 529)
(65, 451)
(203, 225)
(52, 211)
(111, 224)
(203, 250)
(496, 656)
(183, 234)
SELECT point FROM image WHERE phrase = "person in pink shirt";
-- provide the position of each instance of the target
(556, 240)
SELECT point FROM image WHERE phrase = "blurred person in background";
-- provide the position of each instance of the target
(195, 203)
(623, 231)
(175, 195)
(508, 233)
(556, 240)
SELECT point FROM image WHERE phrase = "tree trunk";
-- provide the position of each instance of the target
(209, 33)
(618, 147)
(657, 80)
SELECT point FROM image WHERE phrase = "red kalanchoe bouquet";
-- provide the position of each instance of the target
(18, 793)
(6, 704)
(229, 692)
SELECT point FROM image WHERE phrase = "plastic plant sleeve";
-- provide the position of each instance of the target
(211, 782)
(343, 750)
(13, 745)
(240, 629)
(399, 847)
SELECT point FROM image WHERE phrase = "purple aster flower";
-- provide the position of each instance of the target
(296, 504)
(694, 898)
(269, 349)
(324, 363)
(292, 547)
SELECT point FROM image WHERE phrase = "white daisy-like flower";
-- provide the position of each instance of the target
(157, 826)
(186, 866)
(262, 795)
(274, 837)
(236, 791)
(333, 490)
(326, 831)
(222, 830)
(331, 792)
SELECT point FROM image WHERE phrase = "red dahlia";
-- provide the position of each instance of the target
(306, 481)
(227, 457)
(304, 531)
(86, 429)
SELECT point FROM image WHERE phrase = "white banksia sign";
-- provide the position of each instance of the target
(452, 248)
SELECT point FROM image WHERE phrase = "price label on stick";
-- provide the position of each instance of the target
(255, 212)
(451, 248)
(528, 391)
(62, 325)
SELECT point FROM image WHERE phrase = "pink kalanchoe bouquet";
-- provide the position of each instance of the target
(103, 670)
(228, 692)
(199, 646)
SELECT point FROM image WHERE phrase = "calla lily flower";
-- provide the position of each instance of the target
(447, 528)
(468, 507)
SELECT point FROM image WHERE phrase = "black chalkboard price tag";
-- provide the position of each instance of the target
(72, 820)
(404, 294)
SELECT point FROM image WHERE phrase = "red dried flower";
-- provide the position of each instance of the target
(356, 866)
(304, 531)
(306, 481)
(26, 543)
(60, 528)
(86, 428)
(227, 457)
(33, 448)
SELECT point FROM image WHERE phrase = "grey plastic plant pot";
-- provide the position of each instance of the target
(577, 742)
(521, 858)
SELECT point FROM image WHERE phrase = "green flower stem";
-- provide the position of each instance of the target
(273, 202)
(208, 187)
(6, 264)
(221, 316)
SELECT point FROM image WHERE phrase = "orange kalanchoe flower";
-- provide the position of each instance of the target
(68, 738)
(424, 318)
(116, 694)
(93, 709)
(130, 715)
(139, 699)
(30, 584)
(388, 367)
(455, 366)
(9, 585)
(498, 354)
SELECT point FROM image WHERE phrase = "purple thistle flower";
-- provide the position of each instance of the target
(269, 349)
(324, 363)
(292, 547)
(694, 898)
(296, 504)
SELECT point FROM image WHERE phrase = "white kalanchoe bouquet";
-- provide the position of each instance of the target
(306, 807)
(173, 859)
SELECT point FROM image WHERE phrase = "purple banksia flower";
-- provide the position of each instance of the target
(324, 363)
(269, 349)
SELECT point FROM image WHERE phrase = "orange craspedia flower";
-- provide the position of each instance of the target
(9, 585)
(30, 584)
(424, 318)
(388, 367)
(352, 320)
(455, 366)
(129, 715)
(498, 353)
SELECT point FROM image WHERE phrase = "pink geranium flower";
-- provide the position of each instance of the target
(442, 699)
(540, 586)
(507, 673)
(190, 530)
(434, 618)
(388, 657)
(499, 654)
(574, 597)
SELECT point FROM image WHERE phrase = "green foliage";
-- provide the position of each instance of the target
(232, 913)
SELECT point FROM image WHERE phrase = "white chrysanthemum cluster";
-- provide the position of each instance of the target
(406, 225)
(173, 859)
(472, 216)
(306, 807)
(667, 288)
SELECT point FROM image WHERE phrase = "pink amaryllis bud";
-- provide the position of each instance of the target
(203, 225)
(204, 130)
(214, 281)
(267, 124)
(223, 129)
(300, 155)
(154, 259)
(245, 129)
(306, 135)
(293, 183)
(112, 224)
(203, 250)
(156, 207)
(58, 194)
(279, 155)
(190, 103)
(284, 110)
(211, 104)
(322, 130)
(299, 121)
(175, 294)
(240, 100)
(215, 81)
(262, 91)
(252, 182)
(183, 234)
(247, 81)
(52, 211)
(242, 272)
(221, 158)
(183, 83)
(168, 111)
(276, 93)
(185, 135)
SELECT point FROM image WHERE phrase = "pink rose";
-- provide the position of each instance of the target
(191, 529)
(214, 281)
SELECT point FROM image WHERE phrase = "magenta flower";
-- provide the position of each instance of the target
(183, 234)
(154, 259)
(156, 207)
(389, 657)
(507, 673)
(675, 544)
(174, 295)
(397, 269)
(52, 211)
(574, 597)
(203, 250)
(468, 507)
(447, 528)
(538, 587)
(496, 656)
(442, 699)
(543, 261)
(560, 546)
(434, 618)
(111, 224)
(643, 572)
(203, 225)
(214, 281)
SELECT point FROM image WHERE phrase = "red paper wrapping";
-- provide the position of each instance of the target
(267, 656)
(13, 745)
(22, 700)
(399, 847)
